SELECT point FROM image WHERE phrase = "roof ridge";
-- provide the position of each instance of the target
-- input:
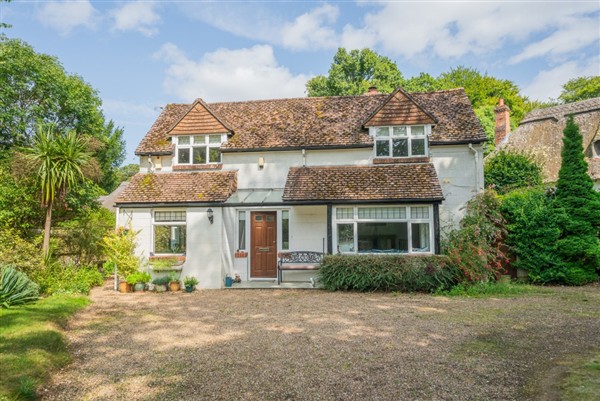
(460, 88)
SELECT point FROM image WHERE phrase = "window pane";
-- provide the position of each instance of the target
(382, 131)
(399, 131)
(400, 147)
(241, 230)
(344, 213)
(169, 216)
(345, 234)
(183, 140)
(214, 138)
(285, 229)
(169, 239)
(382, 148)
(214, 155)
(183, 156)
(199, 139)
(418, 147)
(420, 237)
(383, 237)
(379, 213)
(421, 212)
(200, 155)
(417, 130)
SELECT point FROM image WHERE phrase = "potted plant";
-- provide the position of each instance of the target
(174, 284)
(190, 282)
(160, 284)
(138, 280)
(124, 286)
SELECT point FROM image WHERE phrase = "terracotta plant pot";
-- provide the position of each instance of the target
(124, 287)
(174, 286)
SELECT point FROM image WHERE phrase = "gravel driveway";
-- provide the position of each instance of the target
(316, 345)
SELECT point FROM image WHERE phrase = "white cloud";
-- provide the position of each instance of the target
(310, 30)
(229, 74)
(137, 16)
(548, 83)
(64, 16)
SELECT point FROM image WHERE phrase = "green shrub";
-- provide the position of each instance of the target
(405, 273)
(190, 281)
(16, 288)
(119, 247)
(508, 170)
(161, 280)
(138, 277)
(475, 248)
(59, 278)
(22, 253)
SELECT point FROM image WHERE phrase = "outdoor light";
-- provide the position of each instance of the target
(209, 213)
(261, 162)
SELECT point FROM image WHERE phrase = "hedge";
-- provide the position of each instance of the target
(406, 273)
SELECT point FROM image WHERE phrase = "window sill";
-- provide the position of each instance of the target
(196, 167)
(400, 160)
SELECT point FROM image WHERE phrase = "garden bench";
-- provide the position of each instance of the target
(296, 261)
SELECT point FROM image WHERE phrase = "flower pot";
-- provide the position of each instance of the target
(160, 287)
(174, 286)
(189, 288)
(139, 287)
(124, 287)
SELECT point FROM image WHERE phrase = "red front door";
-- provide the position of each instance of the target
(263, 242)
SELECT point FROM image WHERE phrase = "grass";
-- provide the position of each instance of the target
(583, 381)
(32, 345)
(495, 289)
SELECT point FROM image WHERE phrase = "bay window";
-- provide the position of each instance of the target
(199, 149)
(394, 229)
(401, 141)
(169, 229)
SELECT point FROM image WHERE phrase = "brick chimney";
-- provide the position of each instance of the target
(502, 121)
(372, 91)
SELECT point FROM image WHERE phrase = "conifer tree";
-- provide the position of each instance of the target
(578, 207)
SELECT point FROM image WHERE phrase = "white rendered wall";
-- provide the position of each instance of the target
(460, 172)
(161, 163)
(140, 221)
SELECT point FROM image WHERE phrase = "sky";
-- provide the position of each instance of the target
(142, 55)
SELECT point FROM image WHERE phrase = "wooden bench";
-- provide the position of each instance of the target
(296, 261)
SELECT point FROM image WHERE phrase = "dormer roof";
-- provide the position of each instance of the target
(199, 119)
(400, 108)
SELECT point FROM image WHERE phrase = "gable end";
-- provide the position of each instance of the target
(199, 119)
(400, 109)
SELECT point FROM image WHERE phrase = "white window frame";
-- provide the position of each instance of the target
(408, 220)
(167, 223)
(409, 137)
(190, 146)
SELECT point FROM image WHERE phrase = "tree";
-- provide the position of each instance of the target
(35, 88)
(3, 24)
(580, 89)
(127, 171)
(509, 170)
(352, 73)
(58, 159)
(578, 207)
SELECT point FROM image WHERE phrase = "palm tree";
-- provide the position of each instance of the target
(58, 159)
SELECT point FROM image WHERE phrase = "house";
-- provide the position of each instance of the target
(540, 133)
(229, 185)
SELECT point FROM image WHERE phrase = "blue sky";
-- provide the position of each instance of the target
(141, 55)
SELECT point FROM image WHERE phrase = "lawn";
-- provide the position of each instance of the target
(32, 344)
(521, 344)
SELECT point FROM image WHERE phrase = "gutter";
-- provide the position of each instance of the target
(476, 160)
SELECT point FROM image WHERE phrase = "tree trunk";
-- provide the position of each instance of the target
(46, 245)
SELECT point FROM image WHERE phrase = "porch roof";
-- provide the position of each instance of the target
(201, 187)
(256, 196)
(401, 182)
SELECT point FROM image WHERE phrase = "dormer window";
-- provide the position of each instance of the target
(199, 149)
(401, 141)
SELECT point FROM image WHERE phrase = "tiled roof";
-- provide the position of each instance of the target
(198, 120)
(317, 121)
(399, 109)
(401, 182)
(206, 186)
(558, 112)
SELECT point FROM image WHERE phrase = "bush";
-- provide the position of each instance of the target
(138, 277)
(161, 280)
(387, 273)
(16, 288)
(59, 278)
(475, 248)
(24, 254)
(119, 247)
(508, 170)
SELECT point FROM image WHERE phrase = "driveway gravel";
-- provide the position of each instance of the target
(317, 345)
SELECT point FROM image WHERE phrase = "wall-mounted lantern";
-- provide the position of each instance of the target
(210, 215)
